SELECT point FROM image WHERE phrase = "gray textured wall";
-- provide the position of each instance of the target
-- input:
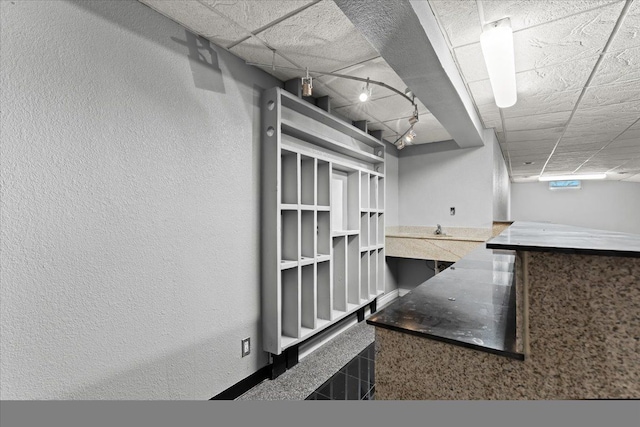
(130, 190)
(434, 177)
(603, 205)
(501, 181)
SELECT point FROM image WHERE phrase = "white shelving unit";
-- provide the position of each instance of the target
(322, 219)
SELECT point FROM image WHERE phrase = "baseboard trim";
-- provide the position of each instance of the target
(243, 386)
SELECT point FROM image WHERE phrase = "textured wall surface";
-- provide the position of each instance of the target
(603, 205)
(434, 177)
(583, 339)
(391, 215)
(501, 181)
(130, 190)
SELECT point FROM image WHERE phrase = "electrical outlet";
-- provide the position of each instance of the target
(246, 346)
(452, 210)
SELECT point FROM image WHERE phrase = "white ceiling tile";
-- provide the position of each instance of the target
(321, 38)
(527, 13)
(576, 136)
(428, 129)
(610, 94)
(554, 88)
(573, 145)
(200, 19)
(490, 115)
(616, 151)
(629, 33)
(252, 14)
(622, 68)
(534, 135)
(385, 109)
(462, 22)
(376, 69)
(559, 42)
(552, 102)
(537, 121)
(253, 50)
(605, 119)
(630, 137)
(634, 178)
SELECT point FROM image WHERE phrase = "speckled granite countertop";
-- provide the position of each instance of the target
(471, 304)
(548, 237)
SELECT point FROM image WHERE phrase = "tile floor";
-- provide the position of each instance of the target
(354, 381)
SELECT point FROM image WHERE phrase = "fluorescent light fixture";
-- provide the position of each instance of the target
(572, 177)
(496, 41)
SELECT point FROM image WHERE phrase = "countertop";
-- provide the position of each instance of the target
(471, 304)
(548, 237)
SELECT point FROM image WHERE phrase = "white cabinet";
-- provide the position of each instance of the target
(322, 219)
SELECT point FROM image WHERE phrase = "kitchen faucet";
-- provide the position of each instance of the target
(438, 230)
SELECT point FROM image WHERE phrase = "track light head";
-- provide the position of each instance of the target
(410, 136)
(365, 94)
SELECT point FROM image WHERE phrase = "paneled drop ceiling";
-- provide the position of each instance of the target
(309, 34)
(576, 113)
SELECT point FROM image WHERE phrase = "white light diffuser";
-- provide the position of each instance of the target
(496, 41)
(572, 177)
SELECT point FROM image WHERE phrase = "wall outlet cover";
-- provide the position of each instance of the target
(246, 346)
(452, 211)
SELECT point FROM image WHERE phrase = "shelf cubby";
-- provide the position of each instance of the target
(323, 183)
(380, 229)
(380, 275)
(380, 204)
(373, 192)
(364, 191)
(373, 226)
(373, 269)
(308, 233)
(364, 275)
(307, 180)
(353, 270)
(339, 274)
(364, 229)
(339, 204)
(308, 297)
(289, 236)
(290, 303)
(323, 232)
(325, 296)
(289, 177)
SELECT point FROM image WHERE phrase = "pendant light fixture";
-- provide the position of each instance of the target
(307, 85)
(496, 42)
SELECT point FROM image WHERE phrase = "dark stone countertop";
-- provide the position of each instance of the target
(470, 304)
(548, 237)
